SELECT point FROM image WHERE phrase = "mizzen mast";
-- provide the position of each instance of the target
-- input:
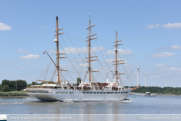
(89, 50)
(116, 60)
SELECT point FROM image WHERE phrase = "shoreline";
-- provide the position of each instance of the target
(139, 93)
(24, 94)
(17, 94)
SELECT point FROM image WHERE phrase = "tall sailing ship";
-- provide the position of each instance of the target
(91, 91)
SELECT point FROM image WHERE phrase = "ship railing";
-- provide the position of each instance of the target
(42, 88)
(105, 92)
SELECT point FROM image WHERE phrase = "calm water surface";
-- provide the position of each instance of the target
(137, 104)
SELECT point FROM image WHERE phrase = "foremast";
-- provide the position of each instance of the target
(89, 50)
(57, 52)
(117, 62)
(57, 56)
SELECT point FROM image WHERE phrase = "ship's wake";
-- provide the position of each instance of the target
(12, 103)
(127, 100)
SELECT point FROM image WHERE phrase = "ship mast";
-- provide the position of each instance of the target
(89, 50)
(57, 53)
(116, 60)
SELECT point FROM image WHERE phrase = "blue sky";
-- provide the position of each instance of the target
(150, 31)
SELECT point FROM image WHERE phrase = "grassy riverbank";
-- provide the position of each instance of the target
(159, 90)
(21, 93)
(139, 93)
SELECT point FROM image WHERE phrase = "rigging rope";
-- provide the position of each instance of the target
(70, 52)
(102, 54)
(129, 64)
(70, 61)
(100, 64)
(70, 39)
(126, 70)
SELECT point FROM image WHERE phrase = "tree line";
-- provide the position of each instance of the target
(159, 90)
(13, 85)
(18, 85)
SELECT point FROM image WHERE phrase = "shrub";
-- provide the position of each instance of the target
(5, 88)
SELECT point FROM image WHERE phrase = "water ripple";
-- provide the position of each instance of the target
(11, 103)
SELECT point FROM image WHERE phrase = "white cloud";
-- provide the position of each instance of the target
(163, 48)
(79, 60)
(172, 25)
(168, 25)
(164, 54)
(75, 50)
(153, 26)
(172, 69)
(177, 47)
(128, 51)
(83, 64)
(97, 48)
(109, 60)
(25, 51)
(159, 65)
(4, 27)
(174, 47)
(30, 56)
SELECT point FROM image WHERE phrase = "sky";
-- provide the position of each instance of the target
(150, 31)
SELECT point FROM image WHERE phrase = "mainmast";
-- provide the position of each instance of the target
(57, 45)
(116, 60)
(89, 50)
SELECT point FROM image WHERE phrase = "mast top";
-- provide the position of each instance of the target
(57, 17)
(89, 16)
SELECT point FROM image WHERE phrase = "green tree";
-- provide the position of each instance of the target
(29, 85)
(34, 83)
(45, 83)
(78, 81)
(5, 82)
(159, 90)
(21, 84)
(5, 88)
(12, 85)
(51, 82)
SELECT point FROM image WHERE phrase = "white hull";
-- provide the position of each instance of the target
(68, 95)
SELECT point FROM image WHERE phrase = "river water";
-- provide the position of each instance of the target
(136, 108)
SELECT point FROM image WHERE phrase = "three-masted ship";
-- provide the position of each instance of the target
(91, 91)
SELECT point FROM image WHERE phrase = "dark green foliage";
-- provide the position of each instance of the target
(126, 86)
(51, 82)
(43, 83)
(34, 83)
(21, 84)
(28, 85)
(159, 90)
(0, 87)
(5, 82)
(5, 88)
(132, 86)
(78, 81)
(13, 94)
